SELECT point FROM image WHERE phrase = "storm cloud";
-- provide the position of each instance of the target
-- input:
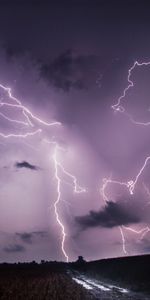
(112, 215)
(27, 237)
(26, 165)
(14, 248)
(71, 70)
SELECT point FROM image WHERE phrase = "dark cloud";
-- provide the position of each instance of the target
(25, 164)
(25, 237)
(70, 70)
(28, 237)
(113, 214)
(14, 248)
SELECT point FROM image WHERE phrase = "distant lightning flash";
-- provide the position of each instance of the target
(28, 121)
(118, 107)
(110, 181)
(129, 184)
(133, 183)
(142, 231)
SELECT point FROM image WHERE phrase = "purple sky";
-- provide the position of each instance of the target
(69, 63)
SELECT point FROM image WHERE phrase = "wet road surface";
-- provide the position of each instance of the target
(104, 291)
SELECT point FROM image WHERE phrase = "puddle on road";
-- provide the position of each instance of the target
(83, 283)
(122, 290)
(99, 286)
(90, 284)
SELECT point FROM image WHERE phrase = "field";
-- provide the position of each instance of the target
(29, 282)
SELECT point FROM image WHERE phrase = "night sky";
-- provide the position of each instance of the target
(68, 62)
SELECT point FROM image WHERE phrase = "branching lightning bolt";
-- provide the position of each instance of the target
(76, 188)
(118, 107)
(26, 112)
(142, 231)
(56, 204)
(29, 121)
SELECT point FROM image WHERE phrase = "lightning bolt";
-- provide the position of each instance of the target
(106, 182)
(118, 107)
(131, 184)
(76, 188)
(123, 241)
(25, 111)
(110, 181)
(142, 231)
(29, 120)
(12, 135)
(58, 180)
